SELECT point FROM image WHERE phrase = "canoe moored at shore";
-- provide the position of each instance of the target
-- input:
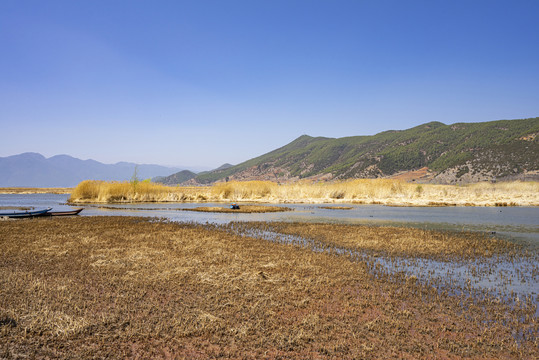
(25, 214)
(62, 213)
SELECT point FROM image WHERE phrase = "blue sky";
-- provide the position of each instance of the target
(201, 83)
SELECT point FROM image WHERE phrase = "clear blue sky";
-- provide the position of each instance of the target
(201, 83)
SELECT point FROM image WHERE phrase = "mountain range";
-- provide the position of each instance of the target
(185, 175)
(432, 152)
(175, 179)
(34, 170)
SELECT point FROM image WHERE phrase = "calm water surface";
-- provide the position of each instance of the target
(519, 223)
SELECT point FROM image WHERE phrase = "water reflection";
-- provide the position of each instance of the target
(519, 223)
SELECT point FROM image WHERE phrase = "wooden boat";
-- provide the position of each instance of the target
(62, 213)
(24, 214)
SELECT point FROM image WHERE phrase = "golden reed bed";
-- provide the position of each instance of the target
(119, 287)
(373, 191)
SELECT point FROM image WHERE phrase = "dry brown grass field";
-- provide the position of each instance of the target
(120, 287)
(366, 191)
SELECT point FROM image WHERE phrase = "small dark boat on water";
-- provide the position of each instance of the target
(24, 214)
(36, 213)
(62, 213)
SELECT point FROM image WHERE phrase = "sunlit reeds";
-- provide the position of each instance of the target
(117, 192)
(364, 191)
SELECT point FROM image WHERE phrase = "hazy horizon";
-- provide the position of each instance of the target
(200, 84)
(180, 167)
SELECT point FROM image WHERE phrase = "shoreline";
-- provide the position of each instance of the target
(314, 202)
(30, 190)
(303, 202)
(363, 191)
(357, 192)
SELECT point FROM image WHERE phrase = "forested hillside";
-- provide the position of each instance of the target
(448, 153)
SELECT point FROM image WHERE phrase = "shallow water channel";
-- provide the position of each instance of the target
(504, 277)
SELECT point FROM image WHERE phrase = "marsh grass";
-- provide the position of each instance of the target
(120, 287)
(248, 209)
(396, 241)
(118, 192)
(336, 207)
(365, 191)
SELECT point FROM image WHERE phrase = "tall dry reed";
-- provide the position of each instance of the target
(384, 191)
(367, 191)
(117, 192)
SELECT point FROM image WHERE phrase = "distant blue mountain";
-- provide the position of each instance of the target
(34, 170)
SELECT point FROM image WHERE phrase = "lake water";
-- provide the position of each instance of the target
(518, 224)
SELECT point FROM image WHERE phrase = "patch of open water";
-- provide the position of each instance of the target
(500, 276)
(517, 223)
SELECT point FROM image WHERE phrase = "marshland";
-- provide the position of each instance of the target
(248, 209)
(269, 180)
(90, 287)
(307, 280)
(363, 191)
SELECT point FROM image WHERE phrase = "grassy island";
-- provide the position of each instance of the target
(247, 209)
(366, 191)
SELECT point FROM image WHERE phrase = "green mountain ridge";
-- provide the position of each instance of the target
(460, 152)
(176, 178)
